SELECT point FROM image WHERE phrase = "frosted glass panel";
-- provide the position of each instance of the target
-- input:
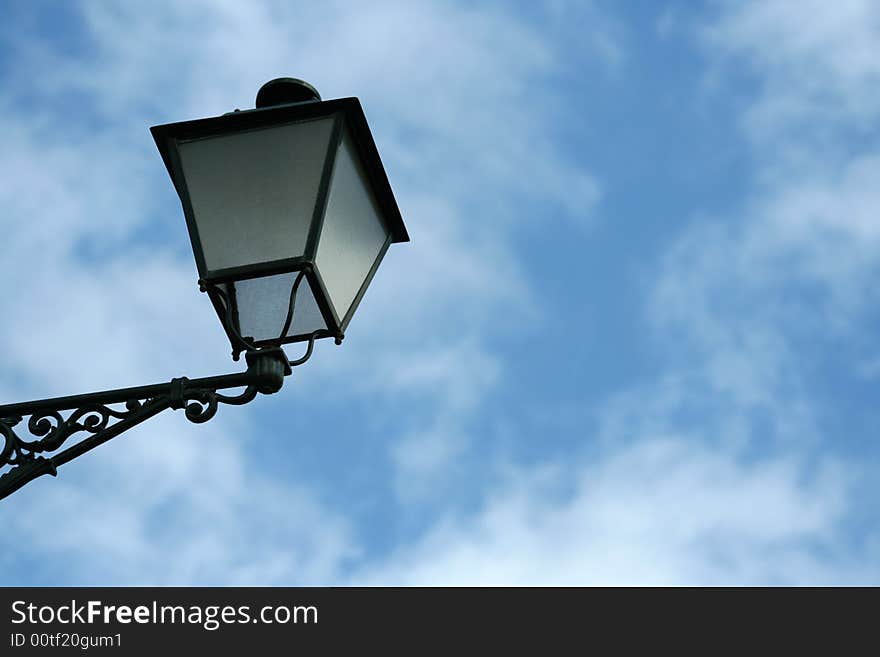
(263, 302)
(253, 193)
(353, 233)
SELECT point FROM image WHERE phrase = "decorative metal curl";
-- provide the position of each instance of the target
(203, 404)
(52, 430)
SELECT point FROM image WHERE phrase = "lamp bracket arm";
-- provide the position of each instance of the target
(102, 416)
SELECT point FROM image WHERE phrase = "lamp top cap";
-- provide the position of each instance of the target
(282, 91)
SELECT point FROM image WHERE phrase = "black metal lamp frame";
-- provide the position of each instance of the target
(348, 117)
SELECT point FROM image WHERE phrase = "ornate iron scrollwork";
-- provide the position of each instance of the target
(105, 415)
(52, 430)
(203, 404)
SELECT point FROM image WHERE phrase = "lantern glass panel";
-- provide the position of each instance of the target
(353, 233)
(253, 193)
(262, 305)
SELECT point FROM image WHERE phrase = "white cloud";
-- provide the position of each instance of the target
(814, 61)
(174, 504)
(661, 512)
(799, 259)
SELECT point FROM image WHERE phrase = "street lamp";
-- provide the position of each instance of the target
(287, 206)
(290, 213)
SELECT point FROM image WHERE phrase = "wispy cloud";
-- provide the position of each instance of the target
(662, 512)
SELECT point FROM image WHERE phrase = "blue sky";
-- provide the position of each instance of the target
(634, 339)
